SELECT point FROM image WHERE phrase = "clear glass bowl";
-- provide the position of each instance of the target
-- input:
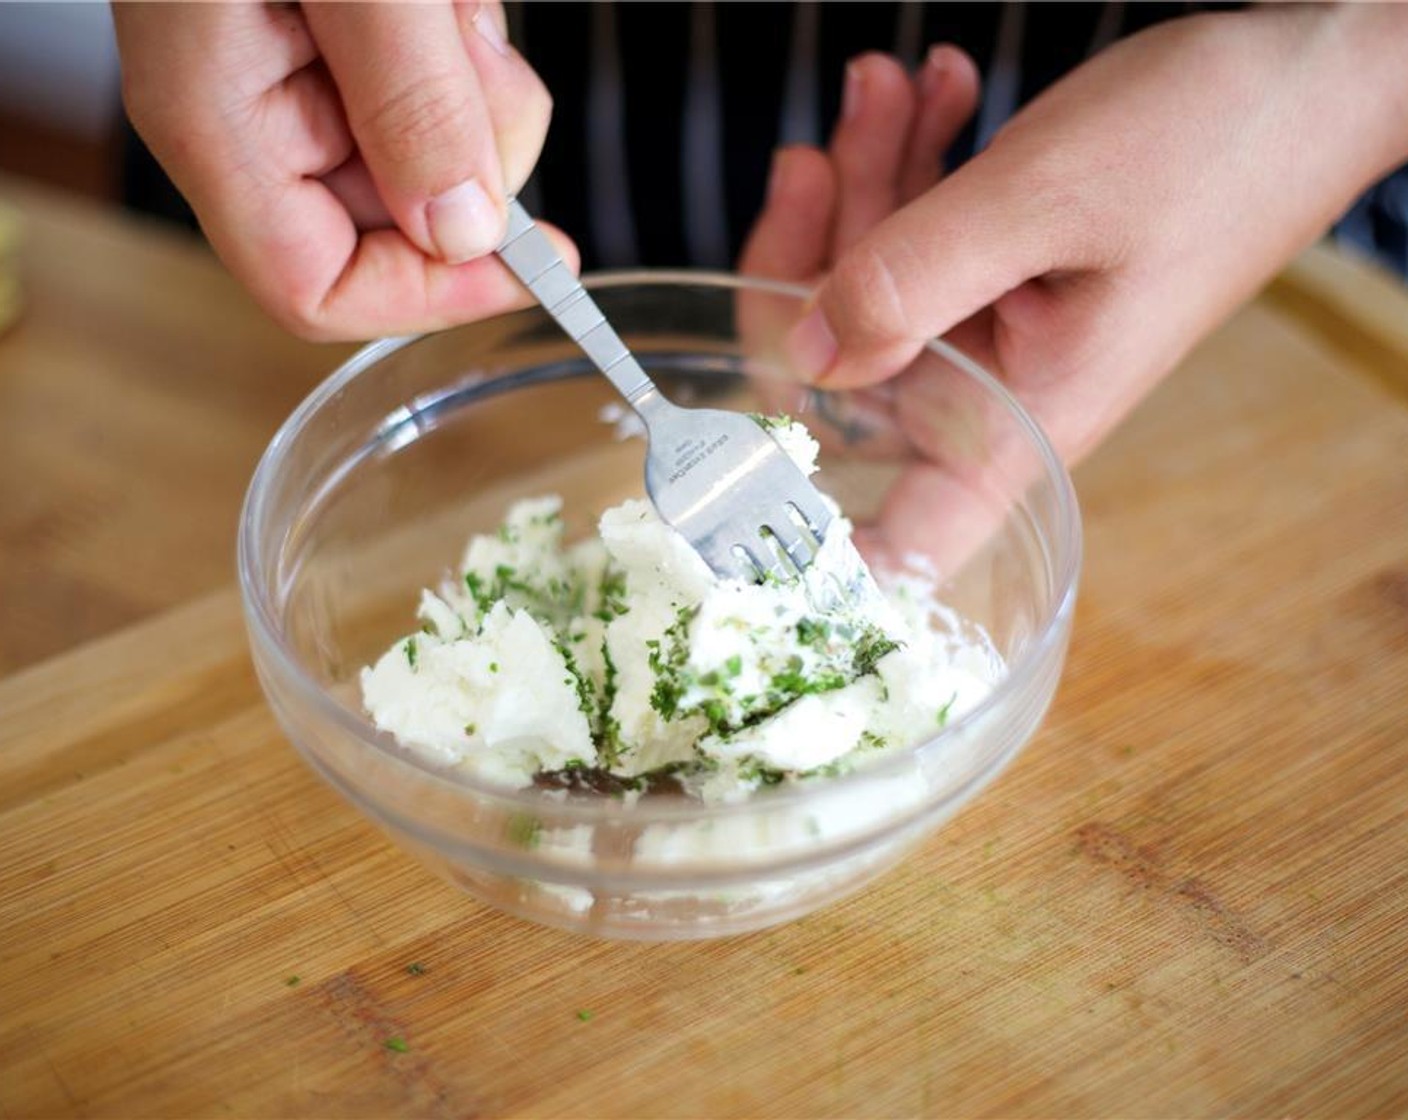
(370, 490)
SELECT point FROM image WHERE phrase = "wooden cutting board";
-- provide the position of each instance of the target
(1188, 896)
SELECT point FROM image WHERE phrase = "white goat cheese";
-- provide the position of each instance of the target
(626, 656)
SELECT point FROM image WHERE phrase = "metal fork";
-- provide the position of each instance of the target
(717, 477)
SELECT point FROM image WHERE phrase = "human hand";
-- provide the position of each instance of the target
(886, 150)
(928, 420)
(1115, 220)
(348, 162)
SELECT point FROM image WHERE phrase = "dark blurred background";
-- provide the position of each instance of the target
(60, 110)
(61, 118)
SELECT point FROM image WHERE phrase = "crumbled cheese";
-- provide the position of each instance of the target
(625, 655)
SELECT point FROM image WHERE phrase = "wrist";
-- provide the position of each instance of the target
(1359, 54)
(1330, 85)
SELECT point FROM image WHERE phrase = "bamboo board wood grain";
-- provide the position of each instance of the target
(1189, 896)
(137, 391)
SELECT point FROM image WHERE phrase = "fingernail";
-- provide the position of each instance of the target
(464, 222)
(488, 29)
(851, 94)
(811, 347)
(933, 73)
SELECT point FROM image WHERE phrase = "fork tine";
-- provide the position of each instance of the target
(753, 561)
(791, 542)
(810, 511)
(718, 553)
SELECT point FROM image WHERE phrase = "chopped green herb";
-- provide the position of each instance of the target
(871, 741)
(763, 420)
(751, 769)
(397, 1044)
(293, 981)
(734, 665)
(475, 584)
(770, 578)
(792, 682)
(411, 652)
(667, 661)
(681, 768)
(944, 711)
(493, 666)
(470, 728)
(578, 680)
(717, 715)
(555, 604)
(612, 595)
(814, 632)
(608, 727)
(871, 646)
(584, 1015)
(415, 968)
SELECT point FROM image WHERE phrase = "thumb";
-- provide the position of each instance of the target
(929, 266)
(420, 120)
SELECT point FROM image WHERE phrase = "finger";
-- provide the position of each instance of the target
(790, 241)
(388, 287)
(295, 246)
(868, 146)
(519, 104)
(491, 9)
(273, 42)
(228, 60)
(981, 232)
(935, 517)
(297, 127)
(418, 114)
(1080, 351)
(259, 45)
(947, 86)
(967, 456)
(293, 129)
(352, 183)
(974, 338)
(792, 236)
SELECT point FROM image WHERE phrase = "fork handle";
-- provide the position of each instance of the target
(531, 257)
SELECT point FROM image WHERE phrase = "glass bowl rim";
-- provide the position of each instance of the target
(265, 631)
